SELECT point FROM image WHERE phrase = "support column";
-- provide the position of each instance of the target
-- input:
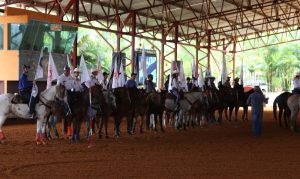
(162, 62)
(175, 41)
(197, 54)
(118, 34)
(208, 48)
(76, 20)
(233, 57)
(133, 33)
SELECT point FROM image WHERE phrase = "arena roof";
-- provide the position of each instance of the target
(224, 20)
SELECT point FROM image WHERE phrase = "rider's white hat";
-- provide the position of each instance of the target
(76, 70)
(94, 70)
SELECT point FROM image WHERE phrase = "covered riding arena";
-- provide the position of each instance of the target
(201, 27)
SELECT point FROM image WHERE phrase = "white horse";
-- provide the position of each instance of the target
(8, 109)
(186, 104)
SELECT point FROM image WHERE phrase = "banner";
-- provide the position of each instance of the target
(39, 69)
(100, 74)
(224, 71)
(84, 77)
(52, 71)
(115, 76)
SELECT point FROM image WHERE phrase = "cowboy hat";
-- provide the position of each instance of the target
(237, 78)
(298, 74)
(76, 70)
(26, 66)
(257, 89)
(105, 73)
(133, 73)
(94, 70)
(66, 68)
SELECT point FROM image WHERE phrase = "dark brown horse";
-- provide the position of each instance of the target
(156, 106)
(124, 109)
(281, 101)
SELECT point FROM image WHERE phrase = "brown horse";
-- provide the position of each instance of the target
(156, 106)
(293, 103)
(124, 109)
(281, 102)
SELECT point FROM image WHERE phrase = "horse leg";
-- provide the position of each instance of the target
(294, 115)
(2, 136)
(148, 121)
(101, 127)
(280, 116)
(141, 123)
(106, 124)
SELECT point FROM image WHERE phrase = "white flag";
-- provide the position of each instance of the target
(193, 69)
(173, 68)
(100, 75)
(70, 65)
(143, 64)
(52, 71)
(115, 76)
(224, 70)
(200, 79)
(39, 69)
(182, 79)
(242, 72)
(121, 77)
(84, 77)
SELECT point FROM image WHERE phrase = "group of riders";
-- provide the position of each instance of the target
(72, 83)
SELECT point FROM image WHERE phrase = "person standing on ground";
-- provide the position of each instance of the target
(257, 100)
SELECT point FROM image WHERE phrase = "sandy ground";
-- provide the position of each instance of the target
(211, 152)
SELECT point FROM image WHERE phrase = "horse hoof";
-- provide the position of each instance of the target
(38, 142)
(2, 142)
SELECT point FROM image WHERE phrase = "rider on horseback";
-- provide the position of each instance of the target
(176, 87)
(296, 83)
(149, 85)
(67, 81)
(25, 87)
(104, 82)
(131, 83)
(77, 82)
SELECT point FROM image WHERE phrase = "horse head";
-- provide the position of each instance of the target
(60, 92)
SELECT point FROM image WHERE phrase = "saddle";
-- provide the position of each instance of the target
(18, 99)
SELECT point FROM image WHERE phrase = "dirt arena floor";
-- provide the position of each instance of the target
(212, 152)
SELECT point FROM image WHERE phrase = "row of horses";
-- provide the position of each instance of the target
(289, 106)
(133, 104)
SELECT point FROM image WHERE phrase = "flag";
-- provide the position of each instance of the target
(100, 74)
(173, 68)
(70, 65)
(115, 76)
(143, 64)
(207, 73)
(121, 77)
(242, 72)
(224, 70)
(39, 69)
(84, 77)
(181, 78)
(52, 71)
(200, 79)
(193, 69)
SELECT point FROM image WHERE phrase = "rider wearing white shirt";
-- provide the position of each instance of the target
(77, 82)
(296, 83)
(67, 81)
(176, 87)
(104, 82)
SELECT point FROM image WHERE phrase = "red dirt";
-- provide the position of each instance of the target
(216, 151)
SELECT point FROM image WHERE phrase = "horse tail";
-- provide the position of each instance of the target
(275, 108)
